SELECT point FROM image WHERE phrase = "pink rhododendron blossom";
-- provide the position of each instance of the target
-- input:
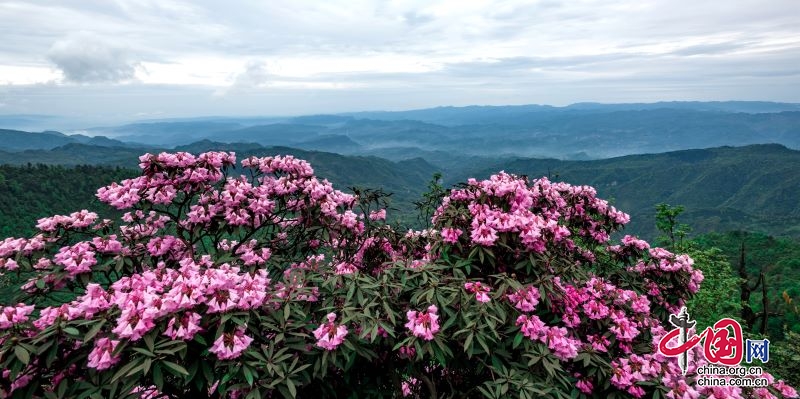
(102, 356)
(525, 299)
(76, 259)
(423, 324)
(451, 236)
(183, 327)
(785, 389)
(231, 345)
(407, 387)
(11, 315)
(480, 290)
(329, 335)
(150, 392)
(585, 386)
(378, 215)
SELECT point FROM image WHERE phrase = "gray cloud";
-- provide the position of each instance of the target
(500, 52)
(85, 58)
(711, 49)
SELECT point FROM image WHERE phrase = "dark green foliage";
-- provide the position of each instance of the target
(667, 223)
(778, 258)
(35, 191)
(785, 358)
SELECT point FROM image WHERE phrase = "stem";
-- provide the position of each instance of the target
(430, 385)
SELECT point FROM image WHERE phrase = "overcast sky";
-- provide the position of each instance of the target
(129, 59)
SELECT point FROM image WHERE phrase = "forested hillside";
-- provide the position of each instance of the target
(28, 193)
(777, 257)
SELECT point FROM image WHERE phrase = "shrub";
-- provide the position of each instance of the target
(272, 283)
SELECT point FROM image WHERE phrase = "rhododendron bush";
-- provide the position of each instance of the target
(264, 281)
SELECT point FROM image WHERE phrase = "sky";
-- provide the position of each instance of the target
(146, 59)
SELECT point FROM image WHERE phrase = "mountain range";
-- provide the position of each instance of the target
(744, 176)
(578, 131)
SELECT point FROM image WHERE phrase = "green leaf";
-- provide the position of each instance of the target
(72, 331)
(93, 331)
(248, 375)
(144, 352)
(468, 342)
(517, 340)
(22, 354)
(124, 370)
(158, 377)
(175, 367)
(148, 340)
(292, 388)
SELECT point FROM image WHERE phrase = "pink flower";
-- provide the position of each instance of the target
(632, 241)
(595, 310)
(563, 347)
(76, 259)
(329, 335)
(636, 391)
(599, 343)
(408, 385)
(624, 329)
(525, 299)
(484, 235)
(585, 386)
(102, 356)
(231, 345)
(183, 327)
(532, 327)
(11, 315)
(450, 235)
(345, 268)
(423, 325)
(378, 215)
(784, 389)
(481, 291)
(150, 392)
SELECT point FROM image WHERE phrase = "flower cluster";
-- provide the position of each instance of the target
(423, 324)
(102, 356)
(505, 204)
(11, 315)
(231, 345)
(329, 335)
(480, 290)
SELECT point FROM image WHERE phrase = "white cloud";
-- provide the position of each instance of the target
(86, 58)
(450, 50)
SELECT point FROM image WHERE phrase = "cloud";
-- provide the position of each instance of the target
(87, 58)
(710, 49)
(255, 75)
(310, 56)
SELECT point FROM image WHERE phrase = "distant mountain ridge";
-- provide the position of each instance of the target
(577, 131)
(16, 140)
